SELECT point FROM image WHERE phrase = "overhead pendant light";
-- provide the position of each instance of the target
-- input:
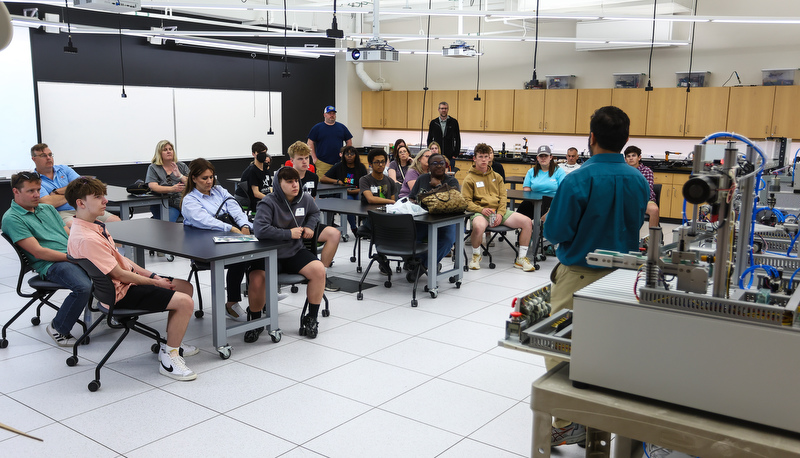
(534, 82)
(649, 86)
(286, 73)
(691, 52)
(478, 82)
(269, 93)
(121, 59)
(69, 48)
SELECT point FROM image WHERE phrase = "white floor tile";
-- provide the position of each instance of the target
(300, 360)
(467, 334)
(450, 406)
(491, 373)
(146, 418)
(468, 447)
(57, 440)
(424, 355)
(382, 434)
(26, 372)
(220, 437)
(511, 431)
(359, 339)
(368, 381)
(299, 413)
(20, 416)
(406, 320)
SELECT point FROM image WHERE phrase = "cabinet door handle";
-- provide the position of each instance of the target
(540, 124)
(545, 126)
(774, 130)
(766, 130)
(687, 129)
(680, 128)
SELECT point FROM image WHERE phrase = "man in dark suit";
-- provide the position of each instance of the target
(444, 131)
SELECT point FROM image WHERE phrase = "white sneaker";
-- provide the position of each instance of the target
(173, 366)
(185, 350)
(235, 312)
(524, 264)
(282, 296)
(475, 263)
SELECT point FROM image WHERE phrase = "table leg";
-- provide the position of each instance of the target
(626, 448)
(164, 209)
(598, 443)
(537, 228)
(433, 266)
(218, 304)
(542, 427)
(271, 271)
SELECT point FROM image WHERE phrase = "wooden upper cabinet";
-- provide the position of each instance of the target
(529, 110)
(471, 111)
(395, 109)
(434, 98)
(786, 114)
(559, 111)
(372, 109)
(706, 111)
(589, 100)
(634, 103)
(750, 111)
(499, 112)
(666, 112)
(417, 116)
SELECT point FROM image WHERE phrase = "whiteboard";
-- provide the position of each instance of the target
(222, 124)
(18, 115)
(90, 124)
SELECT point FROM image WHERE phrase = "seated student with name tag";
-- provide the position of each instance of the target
(347, 172)
(136, 287)
(256, 178)
(203, 201)
(290, 214)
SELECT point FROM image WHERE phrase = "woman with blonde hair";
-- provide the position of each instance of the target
(417, 168)
(166, 175)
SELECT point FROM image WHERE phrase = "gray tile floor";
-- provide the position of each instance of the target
(381, 379)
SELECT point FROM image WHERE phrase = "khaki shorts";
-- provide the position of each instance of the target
(506, 215)
(322, 168)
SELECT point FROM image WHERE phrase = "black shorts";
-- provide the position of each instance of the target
(146, 297)
(295, 264)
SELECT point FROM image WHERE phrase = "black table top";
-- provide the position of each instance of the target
(184, 241)
(515, 179)
(355, 207)
(120, 194)
(518, 194)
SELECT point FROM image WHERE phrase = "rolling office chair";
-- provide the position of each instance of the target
(497, 231)
(126, 319)
(43, 290)
(394, 235)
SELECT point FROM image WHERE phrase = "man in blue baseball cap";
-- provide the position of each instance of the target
(326, 140)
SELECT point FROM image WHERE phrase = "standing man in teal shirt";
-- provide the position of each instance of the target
(37, 228)
(598, 206)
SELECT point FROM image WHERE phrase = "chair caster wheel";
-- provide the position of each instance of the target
(345, 238)
(359, 269)
(452, 279)
(544, 258)
(294, 289)
(3, 343)
(414, 303)
(434, 294)
(352, 259)
(536, 266)
(94, 385)
(426, 289)
(155, 348)
(198, 314)
(360, 296)
(466, 268)
(151, 253)
(326, 313)
(387, 284)
(492, 265)
(398, 269)
(458, 285)
(86, 341)
(224, 352)
(276, 336)
(35, 321)
(169, 257)
(72, 361)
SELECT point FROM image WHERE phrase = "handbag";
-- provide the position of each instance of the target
(226, 217)
(138, 188)
(443, 199)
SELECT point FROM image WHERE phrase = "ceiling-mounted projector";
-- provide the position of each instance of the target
(113, 6)
(459, 49)
(374, 50)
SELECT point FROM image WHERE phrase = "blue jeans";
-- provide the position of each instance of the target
(174, 213)
(352, 218)
(74, 278)
(445, 238)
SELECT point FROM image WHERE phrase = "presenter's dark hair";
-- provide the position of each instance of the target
(196, 168)
(375, 152)
(610, 127)
(38, 148)
(287, 174)
(259, 147)
(81, 187)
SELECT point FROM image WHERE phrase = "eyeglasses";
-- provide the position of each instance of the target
(24, 176)
(436, 163)
(44, 155)
(378, 162)
(350, 153)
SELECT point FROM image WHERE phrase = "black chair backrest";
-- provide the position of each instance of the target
(311, 244)
(393, 231)
(657, 190)
(24, 266)
(104, 289)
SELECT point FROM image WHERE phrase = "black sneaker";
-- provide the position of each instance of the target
(309, 327)
(330, 286)
(60, 339)
(252, 335)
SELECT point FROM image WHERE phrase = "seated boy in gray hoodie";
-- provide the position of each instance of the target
(289, 214)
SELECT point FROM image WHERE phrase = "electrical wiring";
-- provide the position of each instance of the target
(771, 271)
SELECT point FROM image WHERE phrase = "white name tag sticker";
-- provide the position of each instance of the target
(373, 189)
(300, 212)
(479, 184)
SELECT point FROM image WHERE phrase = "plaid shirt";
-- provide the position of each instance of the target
(648, 175)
